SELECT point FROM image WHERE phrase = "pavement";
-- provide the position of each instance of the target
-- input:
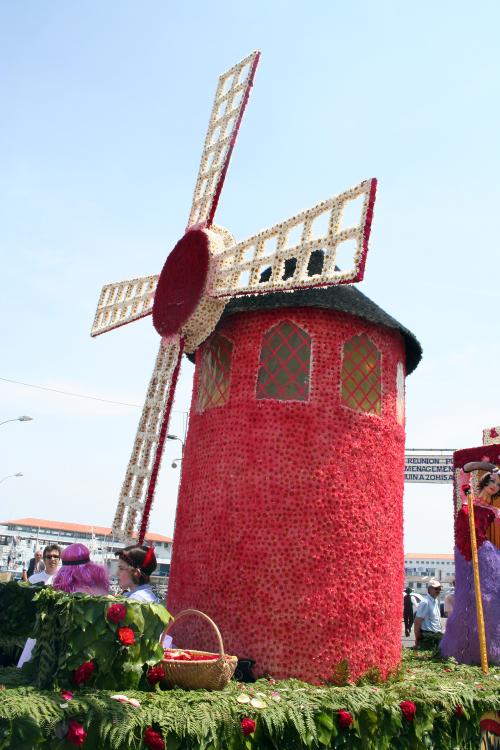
(410, 641)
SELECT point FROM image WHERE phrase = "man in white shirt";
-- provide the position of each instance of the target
(428, 630)
(35, 565)
(52, 562)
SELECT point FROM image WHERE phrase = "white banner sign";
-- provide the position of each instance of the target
(436, 468)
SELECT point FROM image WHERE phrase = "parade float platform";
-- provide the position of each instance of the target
(449, 699)
(56, 702)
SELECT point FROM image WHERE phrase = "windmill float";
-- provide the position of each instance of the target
(298, 396)
(207, 268)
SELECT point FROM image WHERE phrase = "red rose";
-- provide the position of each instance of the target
(83, 673)
(459, 710)
(67, 695)
(408, 709)
(76, 733)
(247, 726)
(126, 636)
(466, 489)
(116, 613)
(153, 740)
(155, 674)
(345, 719)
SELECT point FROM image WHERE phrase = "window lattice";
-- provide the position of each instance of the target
(215, 373)
(361, 376)
(285, 362)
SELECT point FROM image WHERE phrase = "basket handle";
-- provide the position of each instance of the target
(200, 614)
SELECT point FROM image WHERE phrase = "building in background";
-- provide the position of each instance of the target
(20, 537)
(419, 567)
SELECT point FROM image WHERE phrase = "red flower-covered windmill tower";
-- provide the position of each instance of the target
(289, 522)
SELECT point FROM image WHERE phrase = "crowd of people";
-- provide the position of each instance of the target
(71, 570)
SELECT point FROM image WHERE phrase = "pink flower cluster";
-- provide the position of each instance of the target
(408, 709)
(76, 733)
(155, 674)
(116, 613)
(345, 719)
(83, 673)
(248, 726)
(153, 739)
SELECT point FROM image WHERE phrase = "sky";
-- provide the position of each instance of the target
(104, 113)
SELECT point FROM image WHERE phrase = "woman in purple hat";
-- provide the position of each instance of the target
(79, 575)
(76, 575)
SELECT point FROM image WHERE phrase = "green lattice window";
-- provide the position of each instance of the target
(361, 375)
(285, 361)
(215, 372)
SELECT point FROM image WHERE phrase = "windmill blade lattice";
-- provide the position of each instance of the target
(231, 98)
(124, 302)
(241, 267)
(136, 497)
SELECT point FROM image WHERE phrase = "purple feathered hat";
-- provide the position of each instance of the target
(79, 574)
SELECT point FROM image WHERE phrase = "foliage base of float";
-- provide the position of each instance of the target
(450, 700)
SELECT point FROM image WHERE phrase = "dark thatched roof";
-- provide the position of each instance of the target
(344, 298)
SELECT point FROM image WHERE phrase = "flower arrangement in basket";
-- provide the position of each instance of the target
(193, 670)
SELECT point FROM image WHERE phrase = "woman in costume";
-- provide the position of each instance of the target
(79, 575)
(135, 566)
(461, 638)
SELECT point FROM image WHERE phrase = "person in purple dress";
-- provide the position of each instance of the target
(461, 638)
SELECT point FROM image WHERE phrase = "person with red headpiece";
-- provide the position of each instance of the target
(79, 575)
(135, 566)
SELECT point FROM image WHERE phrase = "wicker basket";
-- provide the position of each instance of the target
(198, 674)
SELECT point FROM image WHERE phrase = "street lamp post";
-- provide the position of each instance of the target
(174, 437)
(176, 460)
(24, 418)
(19, 474)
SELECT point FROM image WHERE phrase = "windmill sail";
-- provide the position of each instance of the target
(138, 488)
(231, 97)
(278, 259)
(124, 302)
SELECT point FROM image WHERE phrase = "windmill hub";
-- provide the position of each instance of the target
(181, 283)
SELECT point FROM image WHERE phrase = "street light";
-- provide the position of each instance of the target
(19, 474)
(176, 460)
(24, 418)
(174, 437)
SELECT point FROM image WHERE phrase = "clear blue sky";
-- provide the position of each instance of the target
(104, 112)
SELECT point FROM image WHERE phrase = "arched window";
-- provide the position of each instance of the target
(285, 363)
(400, 393)
(215, 372)
(361, 381)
